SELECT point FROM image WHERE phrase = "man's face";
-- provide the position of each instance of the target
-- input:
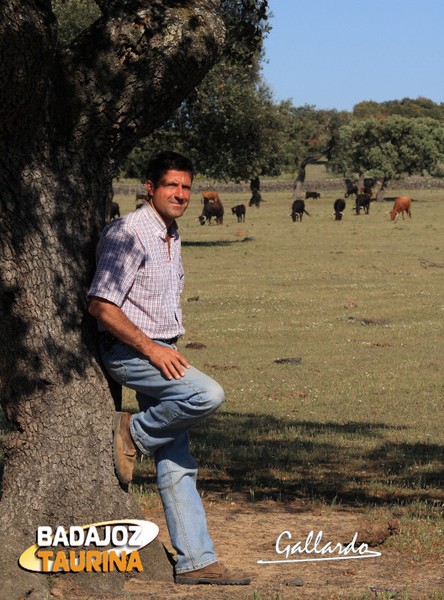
(172, 196)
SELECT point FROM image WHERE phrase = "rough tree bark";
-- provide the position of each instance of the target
(67, 117)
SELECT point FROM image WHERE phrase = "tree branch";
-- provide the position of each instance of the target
(27, 38)
(124, 67)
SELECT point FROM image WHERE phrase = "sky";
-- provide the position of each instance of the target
(332, 54)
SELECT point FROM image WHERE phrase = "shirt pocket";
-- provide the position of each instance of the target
(150, 282)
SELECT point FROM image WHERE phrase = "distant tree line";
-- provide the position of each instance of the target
(234, 130)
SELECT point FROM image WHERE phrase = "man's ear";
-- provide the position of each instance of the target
(149, 188)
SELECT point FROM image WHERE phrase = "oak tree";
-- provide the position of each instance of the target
(387, 148)
(69, 114)
(310, 137)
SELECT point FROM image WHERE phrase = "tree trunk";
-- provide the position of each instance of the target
(381, 192)
(300, 178)
(59, 466)
(67, 120)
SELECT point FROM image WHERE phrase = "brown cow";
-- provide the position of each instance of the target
(211, 196)
(210, 210)
(401, 205)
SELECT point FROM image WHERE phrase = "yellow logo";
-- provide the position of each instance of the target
(122, 540)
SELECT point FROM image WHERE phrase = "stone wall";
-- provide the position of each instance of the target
(407, 183)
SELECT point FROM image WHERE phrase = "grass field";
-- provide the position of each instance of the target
(358, 422)
(359, 419)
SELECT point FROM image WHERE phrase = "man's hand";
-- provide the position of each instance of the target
(165, 358)
(169, 361)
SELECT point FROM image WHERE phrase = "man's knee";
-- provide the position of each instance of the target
(212, 396)
(218, 396)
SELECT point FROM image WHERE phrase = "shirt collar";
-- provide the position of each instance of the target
(159, 225)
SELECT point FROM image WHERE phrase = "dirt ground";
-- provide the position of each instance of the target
(246, 533)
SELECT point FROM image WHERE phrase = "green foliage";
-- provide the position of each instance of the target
(73, 16)
(388, 148)
(229, 126)
(246, 23)
(308, 133)
(419, 108)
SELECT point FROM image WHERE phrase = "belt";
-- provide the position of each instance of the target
(109, 340)
(170, 341)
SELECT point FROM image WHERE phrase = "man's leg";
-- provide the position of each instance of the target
(170, 409)
(185, 515)
(172, 406)
(184, 511)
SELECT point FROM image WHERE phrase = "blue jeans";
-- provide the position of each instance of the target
(169, 408)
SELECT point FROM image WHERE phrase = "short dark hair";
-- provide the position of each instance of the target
(167, 161)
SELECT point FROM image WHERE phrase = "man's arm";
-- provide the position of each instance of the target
(168, 360)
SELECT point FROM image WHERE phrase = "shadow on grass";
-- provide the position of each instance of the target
(218, 243)
(263, 457)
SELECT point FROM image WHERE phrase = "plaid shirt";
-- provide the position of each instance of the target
(136, 272)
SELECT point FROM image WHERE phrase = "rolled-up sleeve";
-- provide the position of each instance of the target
(119, 256)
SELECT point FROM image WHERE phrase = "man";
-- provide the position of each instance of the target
(135, 297)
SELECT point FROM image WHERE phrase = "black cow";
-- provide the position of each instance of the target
(115, 211)
(210, 210)
(239, 211)
(314, 195)
(369, 184)
(255, 199)
(255, 184)
(298, 209)
(339, 207)
(362, 201)
(351, 188)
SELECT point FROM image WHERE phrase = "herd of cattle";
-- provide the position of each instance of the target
(401, 205)
(214, 209)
